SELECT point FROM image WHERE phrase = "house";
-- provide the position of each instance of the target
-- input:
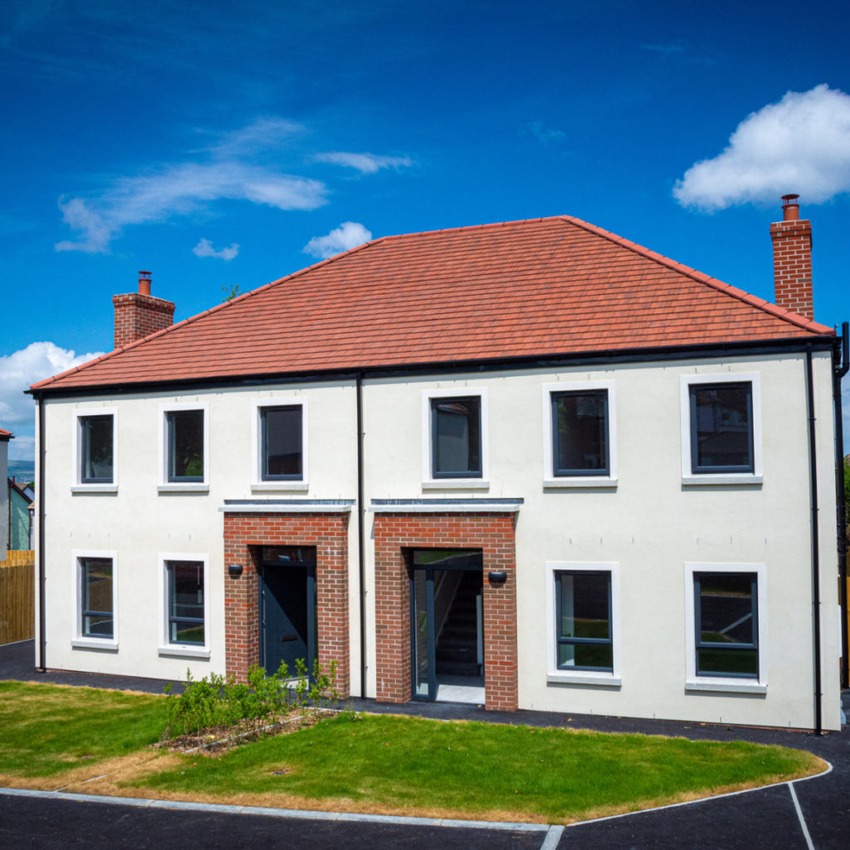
(19, 514)
(5, 436)
(527, 465)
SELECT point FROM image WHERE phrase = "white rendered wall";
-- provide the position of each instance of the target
(650, 524)
(139, 522)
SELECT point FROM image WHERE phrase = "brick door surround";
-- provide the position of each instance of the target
(494, 534)
(244, 534)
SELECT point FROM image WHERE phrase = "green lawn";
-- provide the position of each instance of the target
(46, 730)
(403, 764)
(372, 763)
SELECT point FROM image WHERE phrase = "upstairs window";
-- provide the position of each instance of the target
(721, 420)
(282, 443)
(185, 441)
(96, 449)
(721, 429)
(456, 446)
(580, 433)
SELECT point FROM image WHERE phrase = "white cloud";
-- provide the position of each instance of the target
(180, 190)
(801, 144)
(264, 133)
(348, 235)
(205, 248)
(365, 163)
(18, 370)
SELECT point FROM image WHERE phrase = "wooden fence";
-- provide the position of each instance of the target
(17, 596)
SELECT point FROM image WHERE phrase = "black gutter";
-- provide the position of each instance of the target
(447, 367)
(842, 365)
(42, 581)
(361, 540)
(813, 479)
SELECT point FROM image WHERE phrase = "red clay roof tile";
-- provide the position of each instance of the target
(527, 288)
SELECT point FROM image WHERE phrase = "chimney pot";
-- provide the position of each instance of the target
(790, 208)
(144, 283)
(792, 259)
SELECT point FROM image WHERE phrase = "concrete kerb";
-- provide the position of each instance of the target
(297, 814)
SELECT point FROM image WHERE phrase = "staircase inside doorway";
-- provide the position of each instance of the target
(460, 644)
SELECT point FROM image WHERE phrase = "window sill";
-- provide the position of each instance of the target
(94, 488)
(605, 680)
(729, 686)
(105, 645)
(581, 481)
(181, 651)
(456, 484)
(176, 487)
(714, 480)
(276, 486)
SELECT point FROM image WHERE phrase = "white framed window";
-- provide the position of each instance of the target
(583, 623)
(184, 456)
(579, 434)
(95, 600)
(721, 428)
(279, 444)
(726, 627)
(455, 437)
(184, 610)
(94, 450)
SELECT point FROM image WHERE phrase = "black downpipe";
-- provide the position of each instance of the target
(841, 368)
(42, 634)
(813, 478)
(360, 532)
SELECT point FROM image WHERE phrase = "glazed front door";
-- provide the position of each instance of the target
(288, 607)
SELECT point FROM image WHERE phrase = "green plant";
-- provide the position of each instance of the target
(223, 709)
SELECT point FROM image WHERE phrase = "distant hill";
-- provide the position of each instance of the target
(22, 470)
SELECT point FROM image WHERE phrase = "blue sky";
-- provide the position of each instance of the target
(212, 143)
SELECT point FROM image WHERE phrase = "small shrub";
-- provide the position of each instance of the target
(216, 712)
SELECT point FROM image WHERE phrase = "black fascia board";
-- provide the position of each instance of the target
(596, 358)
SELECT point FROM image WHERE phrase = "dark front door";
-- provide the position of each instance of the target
(287, 607)
(445, 635)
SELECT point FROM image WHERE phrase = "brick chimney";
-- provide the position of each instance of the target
(792, 259)
(138, 314)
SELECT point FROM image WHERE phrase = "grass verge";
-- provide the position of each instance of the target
(380, 764)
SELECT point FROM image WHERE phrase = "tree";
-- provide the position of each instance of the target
(230, 292)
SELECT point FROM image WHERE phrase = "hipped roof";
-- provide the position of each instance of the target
(534, 288)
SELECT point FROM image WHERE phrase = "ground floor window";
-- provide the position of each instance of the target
(186, 602)
(583, 632)
(726, 612)
(97, 608)
(583, 622)
(726, 621)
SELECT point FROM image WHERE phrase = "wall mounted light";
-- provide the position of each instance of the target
(234, 570)
(497, 577)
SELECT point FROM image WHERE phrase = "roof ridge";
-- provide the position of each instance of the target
(733, 291)
(245, 295)
(467, 227)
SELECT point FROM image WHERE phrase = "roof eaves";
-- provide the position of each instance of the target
(748, 298)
